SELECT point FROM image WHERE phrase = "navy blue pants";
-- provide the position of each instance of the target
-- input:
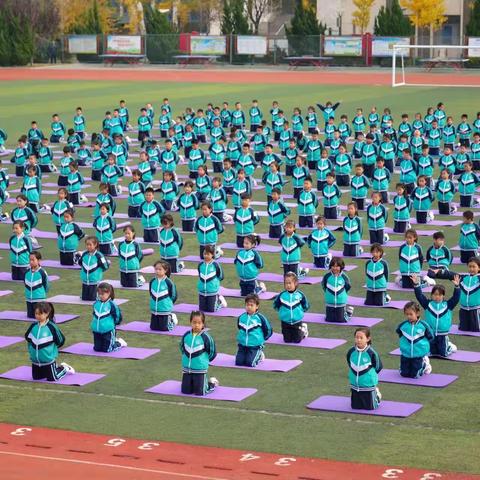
(367, 400)
(248, 356)
(411, 367)
(195, 384)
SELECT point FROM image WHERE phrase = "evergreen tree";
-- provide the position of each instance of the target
(473, 25)
(392, 21)
(234, 18)
(162, 38)
(304, 31)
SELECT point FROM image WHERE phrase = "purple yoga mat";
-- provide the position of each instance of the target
(439, 223)
(333, 403)
(311, 266)
(131, 353)
(390, 243)
(7, 341)
(90, 225)
(397, 288)
(436, 380)
(74, 300)
(232, 394)
(267, 365)
(259, 248)
(223, 312)
(7, 277)
(455, 331)
(309, 342)
(277, 277)
(235, 292)
(144, 327)
(24, 373)
(458, 356)
(4, 293)
(43, 234)
(56, 264)
(420, 232)
(196, 259)
(116, 284)
(360, 302)
(353, 322)
(22, 316)
(339, 253)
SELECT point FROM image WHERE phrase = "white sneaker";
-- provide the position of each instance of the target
(453, 209)
(76, 257)
(428, 367)
(360, 251)
(430, 216)
(303, 272)
(387, 299)
(328, 260)
(452, 347)
(263, 287)
(122, 342)
(349, 310)
(429, 281)
(304, 328)
(174, 318)
(409, 225)
(4, 217)
(379, 395)
(141, 280)
(386, 238)
(83, 199)
(180, 266)
(35, 243)
(398, 280)
(119, 189)
(70, 370)
(218, 252)
(262, 357)
(227, 218)
(222, 301)
(128, 139)
(213, 382)
(45, 208)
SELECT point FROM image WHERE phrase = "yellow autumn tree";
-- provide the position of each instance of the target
(73, 11)
(207, 10)
(361, 16)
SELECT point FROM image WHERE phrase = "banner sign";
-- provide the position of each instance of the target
(343, 46)
(474, 47)
(383, 46)
(208, 45)
(82, 44)
(251, 45)
(124, 44)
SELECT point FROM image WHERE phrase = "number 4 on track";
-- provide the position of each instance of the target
(249, 456)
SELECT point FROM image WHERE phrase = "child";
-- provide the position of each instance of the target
(44, 338)
(253, 331)
(36, 283)
(245, 220)
(92, 264)
(359, 185)
(79, 123)
(410, 261)
(24, 213)
(74, 184)
(111, 173)
(163, 294)
(64, 169)
(408, 171)
(469, 237)
(229, 175)
(343, 166)
(217, 154)
(299, 174)
(99, 158)
(196, 157)
(69, 236)
(291, 305)
(20, 157)
(45, 157)
(376, 270)
(277, 213)
(445, 189)
(377, 216)
(203, 183)
(331, 197)
(32, 189)
(169, 190)
(241, 185)
(188, 204)
(336, 285)
(105, 226)
(352, 232)
(364, 366)
(136, 194)
(415, 336)
(168, 158)
(320, 241)
(467, 185)
(438, 315)
(246, 162)
(312, 120)
(171, 242)
(145, 124)
(218, 198)
(439, 258)
(210, 274)
(291, 254)
(208, 228)
(381, 179)
(104, 198)
(130, 255)
(105, 318)
(469, 315)
(60, 206)
(425, 164)
(324, 167)
(151, 212)
(247, 263)
(313, 149)
(273, 179)
(146, 167)
(369, 155)
(198, 350)
(422, 200)
(58, 129)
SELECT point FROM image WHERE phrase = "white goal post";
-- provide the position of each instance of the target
(418, 65)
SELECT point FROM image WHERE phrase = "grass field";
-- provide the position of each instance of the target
(443, 435)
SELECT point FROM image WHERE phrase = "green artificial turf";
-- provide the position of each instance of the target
(442, 435)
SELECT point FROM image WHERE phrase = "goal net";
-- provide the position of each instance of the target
(435, 65)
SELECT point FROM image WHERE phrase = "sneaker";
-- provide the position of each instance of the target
(35, 243)
(128, 169)
(263, 287)
(303, 272)
(360, 251)
(218, 252)
(128, 139)
(180, 266)
(452, 347)
(453, 209)
(122, 342)
(304, 328)
(386, 238)
(349, 310)
(141, 280)
(398, 280)
(45, 208)
(262, 357)
(119, 189)
(4, 217)
(430, 216)
(387, 299)
(70, 370)
(174, 207)
(328, 260)
(76, 257)
(429, 281)
(83, 199)
(222, 301)
(428, 367)
(379, 395)
(409, 225)
(227, 218)
(213, 382)
(174, 318)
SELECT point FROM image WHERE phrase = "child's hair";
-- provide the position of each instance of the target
(402, 185)
(354, 204)
(468, 215)
(66, 150)
(377, 247)
(36, 254)
(440, 289)
(21, 196)
(165, 265)
(367, 333)
(438, 236)
(69, 211)
(245, 196)
(422, 177)
(209, 249)
(276, 190)
(21, 223)
(337, 262)
(413, 232)
(290, 223)
(197, 313)
(31, 168)
(412, 306)
(252, 297)
(149, 190)
(188, 183)
(475, 260)
(320, 218)
(73, 164)
(167, 220)
(331, 174)
(253, 239)
(129, 228)
(92, 239)
(206, 204)
(291, 275)
(103, 186)
(46, 307)
(106, 205)
(105, 287)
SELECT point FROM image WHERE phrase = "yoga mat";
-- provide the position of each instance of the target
(353, 322)
(223, 312)
(116, 284)
(6, 246)
(339, 253)
(360, 302)
(259, 248)
(144, 327)
(24, 373)
(311, 266)
(146, 252)
(7, 277)
(267, 365)
(397, 288)
(43, 234)
(333, 403)
(131, 353)
(458, 356)
(277, 277)
(57, 264)
(196, 259)
(436, 380)
(22, 316)
(390, 243)
(75, 300)
(232, 394)
(309, 342)
(235, 292)
(455, 331)
(4, 293)
(420, 232)
(438, 223)
(7, 341)
(90, 225)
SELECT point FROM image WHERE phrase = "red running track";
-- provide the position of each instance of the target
(47, 454)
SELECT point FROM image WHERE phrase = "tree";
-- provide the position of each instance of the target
(473, 26)
(361, 16)
(87, 16)
(392, 21)
(234, 20)
(256, 10)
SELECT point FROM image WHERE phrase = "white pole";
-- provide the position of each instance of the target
(461, 21)
(394, 61)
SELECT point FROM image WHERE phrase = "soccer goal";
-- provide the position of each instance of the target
(433, 66)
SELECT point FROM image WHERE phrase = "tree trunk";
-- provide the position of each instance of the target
(431, 41)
